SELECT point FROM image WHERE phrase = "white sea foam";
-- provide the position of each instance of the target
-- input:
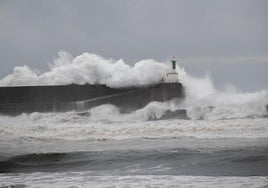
(110, 124)
(86, 179)
(202, 92)
(213, 113)
(89, 68)
(94, 69)
(250, 110)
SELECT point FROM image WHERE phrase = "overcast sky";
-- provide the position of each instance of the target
(226, 38)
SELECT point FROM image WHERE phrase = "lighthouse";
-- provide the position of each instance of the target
(173, 62)
(172, 76)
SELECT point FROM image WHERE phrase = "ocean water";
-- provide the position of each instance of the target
(214, 138)
(104, 148)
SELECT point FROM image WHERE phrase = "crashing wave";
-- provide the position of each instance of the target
(89, 68)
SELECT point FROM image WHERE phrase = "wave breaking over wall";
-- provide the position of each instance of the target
(203, 100)
(89, 68)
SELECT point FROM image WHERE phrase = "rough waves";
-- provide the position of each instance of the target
(214, 137)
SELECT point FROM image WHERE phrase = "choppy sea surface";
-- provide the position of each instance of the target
(213, 138)
(157, 146)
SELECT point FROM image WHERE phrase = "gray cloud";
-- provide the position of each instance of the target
(209, 31)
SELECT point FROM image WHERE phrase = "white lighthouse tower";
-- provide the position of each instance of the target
(172, 77)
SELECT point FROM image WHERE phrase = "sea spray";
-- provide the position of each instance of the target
(203, 100)
(94, 69)
(226, 136)
(89, 68)
(73, 126)
(202, 92)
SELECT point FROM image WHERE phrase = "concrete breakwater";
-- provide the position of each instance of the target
(27, 99)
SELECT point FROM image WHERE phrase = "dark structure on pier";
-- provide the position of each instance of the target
(27, 99)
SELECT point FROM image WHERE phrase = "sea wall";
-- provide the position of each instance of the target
(27, 99)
